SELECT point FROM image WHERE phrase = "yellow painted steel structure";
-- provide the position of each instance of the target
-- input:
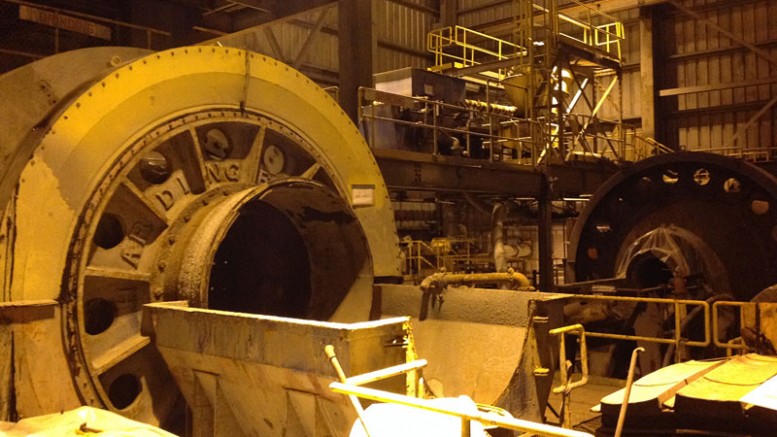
(353, 388)
(137, 178)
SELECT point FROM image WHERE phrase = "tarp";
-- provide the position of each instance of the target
(81, 422)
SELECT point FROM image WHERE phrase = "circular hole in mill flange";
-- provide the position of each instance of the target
(124, 390)
(670, 177)
(701, 177)
(759, 207)
(732, 186)
(100, 314)
(110, 231)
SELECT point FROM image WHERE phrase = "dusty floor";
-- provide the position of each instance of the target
(582, 400)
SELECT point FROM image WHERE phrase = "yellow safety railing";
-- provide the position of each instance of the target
(567, 385)
(606, 37)
(463, 47)
(353, 387)
(609, 36)
(709, 314)
(448, 255)
(467, 47)
(453, 252)
(751, 154)
(743, 308)
(494, 130)
(415, 259)
(679, 305)
(645, 147)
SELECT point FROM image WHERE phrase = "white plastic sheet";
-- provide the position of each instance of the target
(81, 422)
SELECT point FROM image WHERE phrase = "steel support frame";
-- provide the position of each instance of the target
(421, 171)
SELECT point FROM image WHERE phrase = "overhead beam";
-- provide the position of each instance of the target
(682, 57)
(714, 110)
(716, 86)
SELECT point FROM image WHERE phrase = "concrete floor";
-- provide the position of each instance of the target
(582, 400)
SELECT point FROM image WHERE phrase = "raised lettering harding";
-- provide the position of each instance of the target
(64, 22)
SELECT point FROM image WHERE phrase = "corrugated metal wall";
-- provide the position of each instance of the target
(400, 31)
(476, 13)
(631, 86)
(732, 82)
(291, 36)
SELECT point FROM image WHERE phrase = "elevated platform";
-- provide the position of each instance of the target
(416, 170)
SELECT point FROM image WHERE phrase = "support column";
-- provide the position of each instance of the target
(663, 76)
(357, 48)
(647, 72)
(545, 234)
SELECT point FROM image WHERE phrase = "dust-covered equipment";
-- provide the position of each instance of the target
(228, 180)
(209, 174)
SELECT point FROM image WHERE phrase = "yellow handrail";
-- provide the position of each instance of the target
(467, 41)
(352, 387)
(607, 36)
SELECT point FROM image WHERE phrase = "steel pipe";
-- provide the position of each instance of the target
(438, 281)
